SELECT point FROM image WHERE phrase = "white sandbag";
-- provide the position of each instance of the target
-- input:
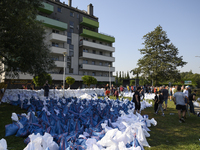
(3, 144)
(196, 104)
(141, 137)
(40, 142)
(14, 117)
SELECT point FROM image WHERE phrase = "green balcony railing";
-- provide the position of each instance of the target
(47, 8)
(99, 36)
(52, 23)
(89, 23)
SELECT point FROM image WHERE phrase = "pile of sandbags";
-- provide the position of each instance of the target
(75, 122)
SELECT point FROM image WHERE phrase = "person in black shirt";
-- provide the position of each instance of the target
(46, 89)
(155, 102)
(191, 98)
(136, 100)
(160, 102)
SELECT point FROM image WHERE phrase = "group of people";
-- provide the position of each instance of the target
(182, 97)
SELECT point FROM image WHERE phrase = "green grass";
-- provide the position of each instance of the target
(169, 134)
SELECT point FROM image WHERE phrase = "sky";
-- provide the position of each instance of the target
(129, 20)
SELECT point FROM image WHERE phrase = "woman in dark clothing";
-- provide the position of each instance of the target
(46, 89)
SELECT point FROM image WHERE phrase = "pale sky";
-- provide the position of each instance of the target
(129, 20)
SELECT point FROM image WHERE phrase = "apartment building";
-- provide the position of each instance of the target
(74, 32)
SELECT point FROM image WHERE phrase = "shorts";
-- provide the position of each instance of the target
(165, 100)
(137, 106)
(181, 107)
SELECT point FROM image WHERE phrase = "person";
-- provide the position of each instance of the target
(121, 91)
(165, 96)
(155, 102)
(132, 89)
(108, 93)
(142, 92)
(185, 91)
(160, 102)
(106, 88)
(136, 100)
(179, 101)
(116, 94)
(192, 98)
(46, 89)
(170, 93)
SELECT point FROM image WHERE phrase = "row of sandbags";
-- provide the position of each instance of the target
(73, 122)
(15, 94)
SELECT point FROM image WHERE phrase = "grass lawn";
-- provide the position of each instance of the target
(169, 134)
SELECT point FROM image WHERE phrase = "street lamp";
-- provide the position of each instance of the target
(64, 54)
(109, 76)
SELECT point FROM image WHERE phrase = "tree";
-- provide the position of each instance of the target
(116, 77)
(70, 80)
(120, 76)
(40, 79)
(127, 76)
(160, 60)
(22, 47)
(88, 80)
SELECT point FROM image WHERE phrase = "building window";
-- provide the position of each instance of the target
(85, 39)
(69, 41)
(94, 41)
(100, 63)
(71, 47)
(93, 62)
(77, 16)
(106, 64)
(71, 30)
(55, 31)
(71, 70)
(69, 34)
(100, 42)
(110, 54)
(71, 53)
(71, 24)
(55, 44)
(59, 9)
(85, 62)
(101, 53)
(85, 50)
(93, 51)
(93, 73)
(72, 14)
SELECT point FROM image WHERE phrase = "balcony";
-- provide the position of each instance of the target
(97, 68)
(79, 77)
(97, 57)
(52, 23)
(97, 46)
(99, 36)
(46, 8)
(57, 50)
(89, 23)
(57, 37)
(59, 63)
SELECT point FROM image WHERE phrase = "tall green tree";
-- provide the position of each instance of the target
(116, 77)
(160, 60)
(128, 76)
(88, 80)
(70, 80)
(120, 76)
(22, 46)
